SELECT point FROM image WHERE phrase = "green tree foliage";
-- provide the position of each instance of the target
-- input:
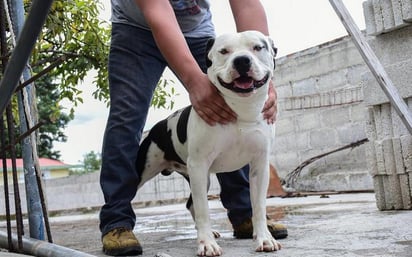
(51, 130)
(73, 33)
(91, 162)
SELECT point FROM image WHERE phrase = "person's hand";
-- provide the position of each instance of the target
(209, 104)
(270, 108)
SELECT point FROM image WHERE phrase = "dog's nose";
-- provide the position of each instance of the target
(242, 64)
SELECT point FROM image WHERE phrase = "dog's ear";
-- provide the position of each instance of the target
(274, 51)
(209, 45)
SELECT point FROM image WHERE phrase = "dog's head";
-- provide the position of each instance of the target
(241, 63)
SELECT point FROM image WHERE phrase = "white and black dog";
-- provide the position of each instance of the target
(241, 66)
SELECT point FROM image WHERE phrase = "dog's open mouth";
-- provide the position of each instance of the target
(244, 84)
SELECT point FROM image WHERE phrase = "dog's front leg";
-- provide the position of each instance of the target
(198, 173)
(259, 182)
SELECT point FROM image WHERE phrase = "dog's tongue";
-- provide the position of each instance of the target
(244, 82)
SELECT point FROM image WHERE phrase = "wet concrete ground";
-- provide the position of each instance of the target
(339, 225)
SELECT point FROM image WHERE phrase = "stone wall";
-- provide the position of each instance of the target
(321, 108)
(324, 95)
(83, 192)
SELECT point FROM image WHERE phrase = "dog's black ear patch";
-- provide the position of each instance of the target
(209, 45)
(142, 156)
(275, 52)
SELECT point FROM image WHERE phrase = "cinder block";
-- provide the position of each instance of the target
(398, 158)
(369, 18)
(284, 125)
(405, 191)
(307, 121)
(399, 76)
(397, 13)
(387, 15)
(396, 192)
(407, 10)
(377, 11)
(335, 117)
(406, 146)
(323, 138)
(388, 157)
(378, 184)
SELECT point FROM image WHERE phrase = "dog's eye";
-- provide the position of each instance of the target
(258, 48)
(223, 51)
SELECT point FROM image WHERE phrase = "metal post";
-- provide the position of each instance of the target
(39, 248)
(28, 36)
(26, 100)
(34, 210)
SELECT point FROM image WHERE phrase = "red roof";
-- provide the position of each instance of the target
(43, 162)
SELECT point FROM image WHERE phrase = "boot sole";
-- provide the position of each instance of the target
(279, 234)
(131, 250)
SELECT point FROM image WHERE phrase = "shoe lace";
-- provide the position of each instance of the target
(117, 232)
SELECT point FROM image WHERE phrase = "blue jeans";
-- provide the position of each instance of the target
(135, 67)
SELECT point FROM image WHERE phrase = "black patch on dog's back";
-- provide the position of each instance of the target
(142, 156)
(162, 137)
(181, 126)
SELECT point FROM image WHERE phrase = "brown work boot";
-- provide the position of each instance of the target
(245, 230)
(121, 242)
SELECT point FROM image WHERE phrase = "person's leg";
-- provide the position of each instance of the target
(235, 195)
(135, 66)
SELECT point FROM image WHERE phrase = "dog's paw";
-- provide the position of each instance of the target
(268, 244)
(208, 248)
(216, 234)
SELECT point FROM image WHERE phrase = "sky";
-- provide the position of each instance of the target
(294, 25)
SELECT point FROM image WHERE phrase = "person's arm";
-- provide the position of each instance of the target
(205, 99)
(250, 15)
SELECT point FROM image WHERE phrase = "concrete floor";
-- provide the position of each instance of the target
(335, 225)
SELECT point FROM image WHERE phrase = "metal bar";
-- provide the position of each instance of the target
(27, 115)
(17, 200)
(21, 137)
(5, 181)
(39, 248)
(3, 49)
(21, 53)
(42, 73)
(43, 205)
(373, 63)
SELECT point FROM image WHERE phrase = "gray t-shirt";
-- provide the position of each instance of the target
(194, 16)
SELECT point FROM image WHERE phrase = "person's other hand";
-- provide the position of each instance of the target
(209, 104)
(270, 108)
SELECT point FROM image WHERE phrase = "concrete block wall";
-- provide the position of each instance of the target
(83, 192)
(321, 108)
(324, 92)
